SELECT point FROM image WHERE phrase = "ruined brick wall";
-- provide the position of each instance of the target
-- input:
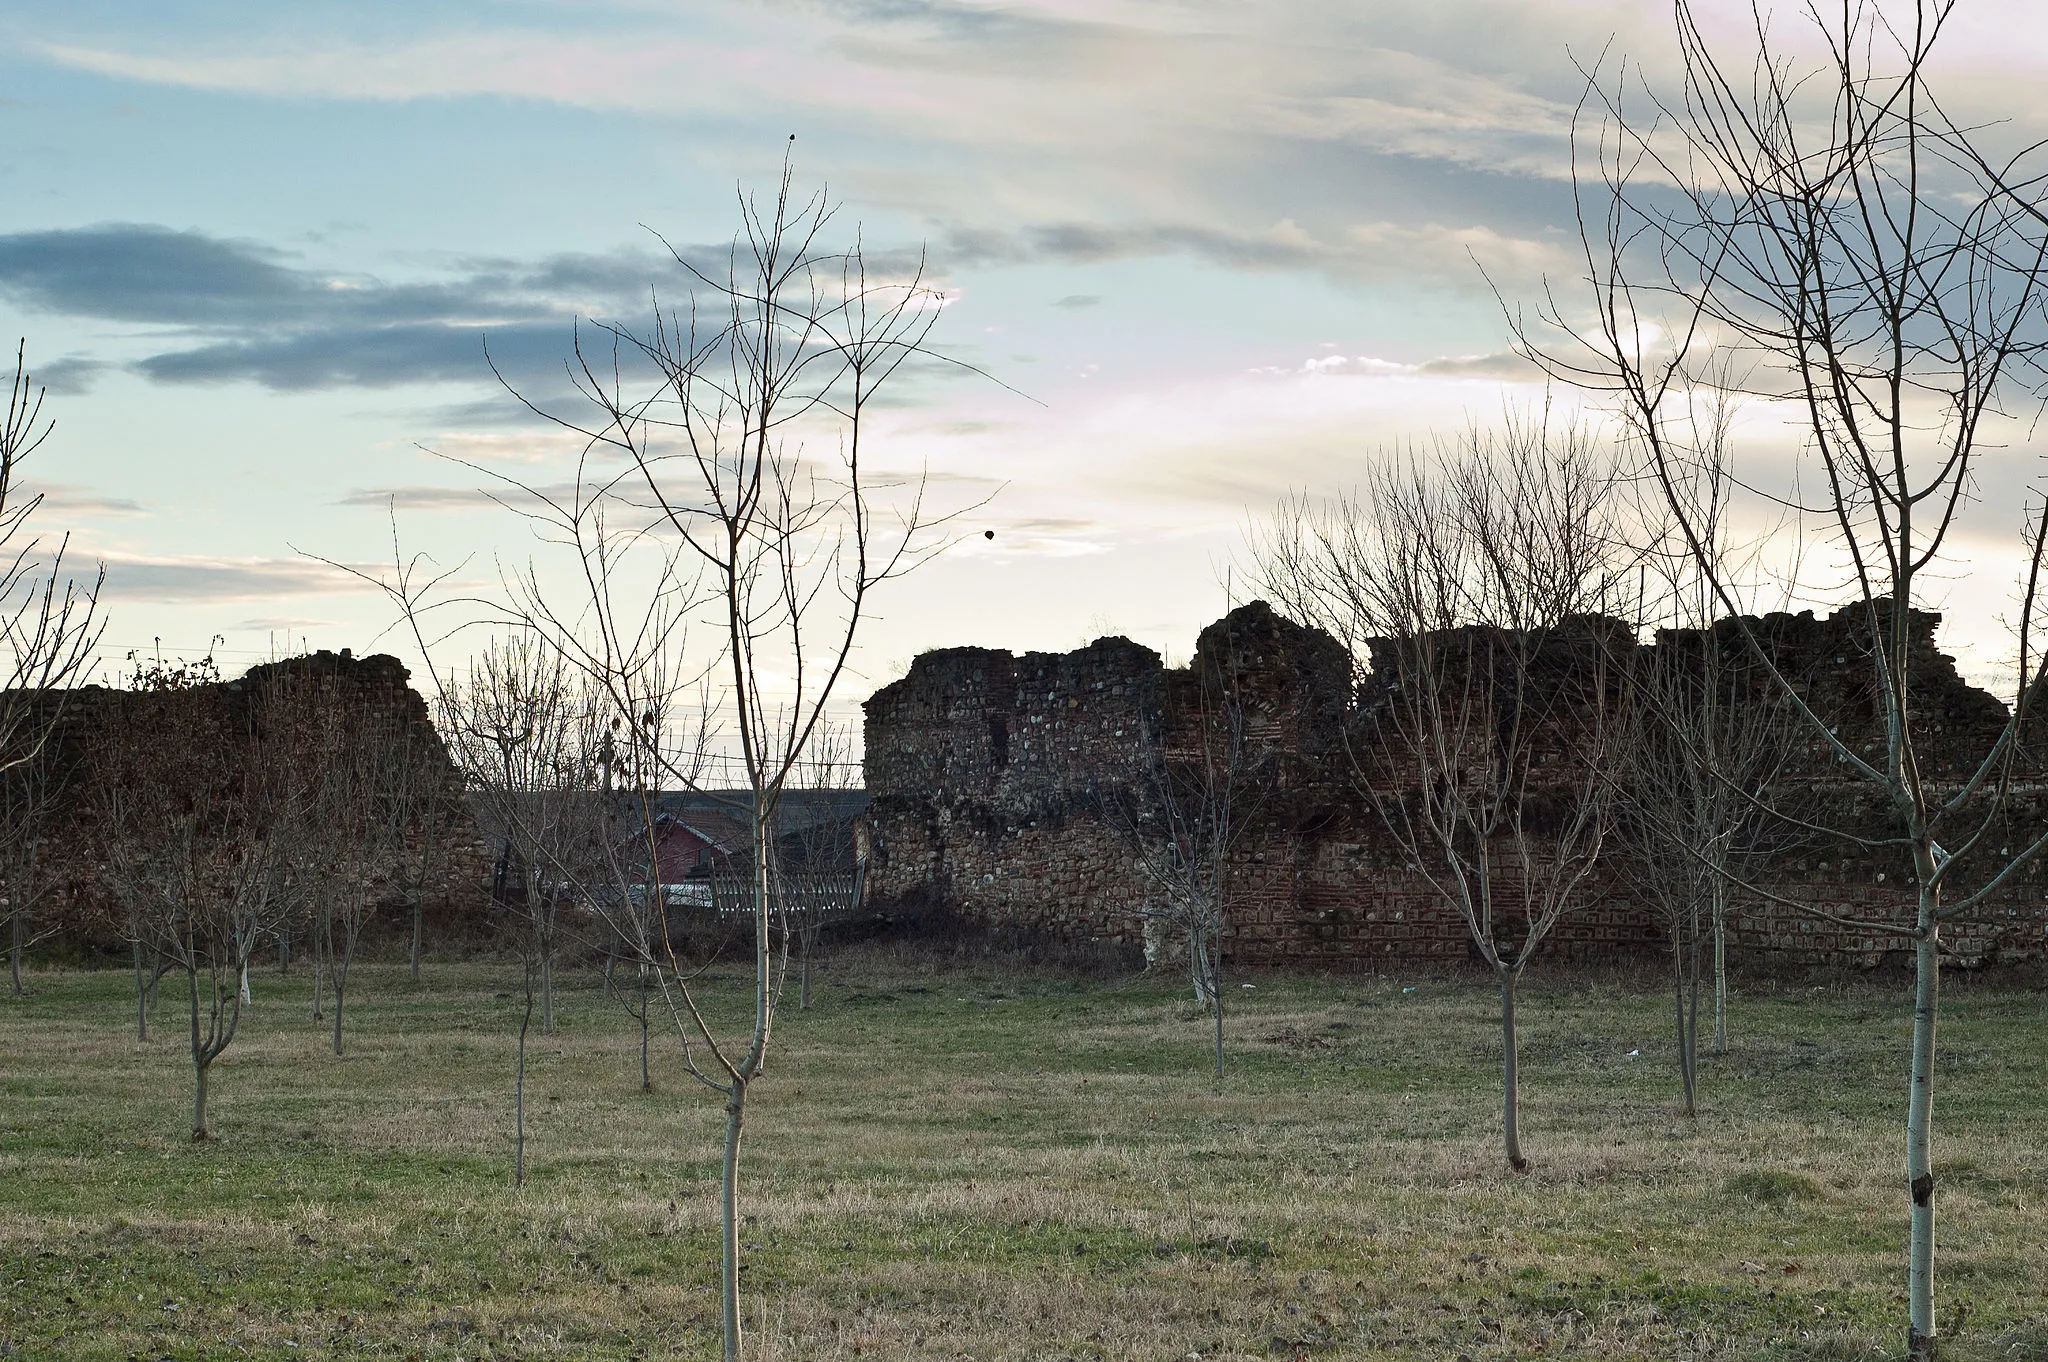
(72, 856)
(981, 766)
(986, 771)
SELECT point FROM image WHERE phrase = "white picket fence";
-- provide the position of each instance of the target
(811, 899)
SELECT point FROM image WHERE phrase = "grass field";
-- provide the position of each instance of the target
(964, 1163)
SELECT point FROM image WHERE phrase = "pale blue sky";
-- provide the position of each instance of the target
(1229, 249)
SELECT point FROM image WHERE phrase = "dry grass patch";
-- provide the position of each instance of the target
(947, 1163)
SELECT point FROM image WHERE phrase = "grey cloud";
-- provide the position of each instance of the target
(985, 40)
(1047, 525)
(279, 624)
(1356, 251)
(372, 357)
(66, 499)
(1505, 364)
(69, 376)
(1078, 301)
(184, 580)
(448, 498)
(932, 478)
(145, 273)
(250, 312)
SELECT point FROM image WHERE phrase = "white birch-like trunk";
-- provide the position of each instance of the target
(729, 1216)
(1919, 1135)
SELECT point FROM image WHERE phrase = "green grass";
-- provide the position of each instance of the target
(947, 1162)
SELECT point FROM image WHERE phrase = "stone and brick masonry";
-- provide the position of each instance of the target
(455, 898)
(986, 771)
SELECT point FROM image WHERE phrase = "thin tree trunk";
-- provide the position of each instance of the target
(729, 1210)
(803, 995)
(1692, 1025)
(341, 988)
(242, 981)
(201, 1061)
(1919, 1133)
(284, 951)
(1217, 1008)
(340, 973)
(15, 948)
(1720, 970)
(519, 1089)
(320, 953)
(417, 914)
(646, 1080)
(547, 993)
(141, 998)
(1511, 1101)
(1686, 1054)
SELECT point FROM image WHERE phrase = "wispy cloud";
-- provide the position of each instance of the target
(453, 498)
(63, 499)
(1360, 251)
(188, 580)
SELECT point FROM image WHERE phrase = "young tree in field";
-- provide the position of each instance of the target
(517, 726)
(1471, 580)
(198, 834)
(348, 859)
(151, 675)
(413, 802)
(1707, 741)
(26, 889)
(1186, 808)
(727, 485)
(49, 628)
(1703, 744)
(626, 878)
(1879, 269)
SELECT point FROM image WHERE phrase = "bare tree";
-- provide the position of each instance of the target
(1467, 583)
(147, 674)
(358, 821)
(1182, 816)
(197, 835)
(747, 505)
(698, 499)
(414, 807)
(1879, 269)
(49, 629)
(1697, 769)
(26, 888)
(517, 725)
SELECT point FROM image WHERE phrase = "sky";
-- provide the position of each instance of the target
(1204, 254)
